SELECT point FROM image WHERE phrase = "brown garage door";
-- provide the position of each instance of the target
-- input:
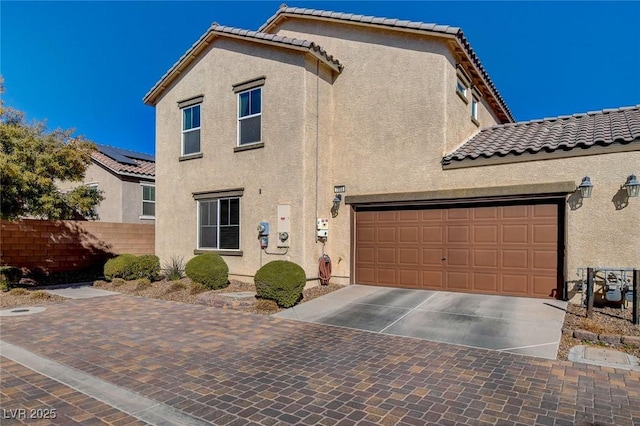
(510, 249)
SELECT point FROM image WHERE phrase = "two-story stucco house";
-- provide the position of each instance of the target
(127, 181)
(393, 135)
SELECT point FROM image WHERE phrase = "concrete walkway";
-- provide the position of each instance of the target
(230, 368)
(514, 324)
(81, 292)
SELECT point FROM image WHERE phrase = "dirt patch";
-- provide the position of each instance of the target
(605, 320)
(185, 291)
(21, 297)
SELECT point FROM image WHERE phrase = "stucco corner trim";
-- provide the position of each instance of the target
(220, 252)
(190, 157)
(221, 193)
(248, 147)
(525, 190)
(249, 84)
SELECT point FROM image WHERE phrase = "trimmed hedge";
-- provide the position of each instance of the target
(208, 269)
(130, 267)
(281, 281)
(119, 267)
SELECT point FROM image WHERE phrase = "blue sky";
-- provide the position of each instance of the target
(87, 65)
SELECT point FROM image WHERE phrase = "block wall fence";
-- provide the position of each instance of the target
(69, 245)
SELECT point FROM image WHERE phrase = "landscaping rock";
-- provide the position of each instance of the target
(585, 335)
(631, 341)
(609, 338)
(239, 300)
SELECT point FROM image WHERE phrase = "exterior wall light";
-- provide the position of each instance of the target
(336, 205)
(633, 186)
(585, 187)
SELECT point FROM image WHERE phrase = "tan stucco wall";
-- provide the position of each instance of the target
(381, 126)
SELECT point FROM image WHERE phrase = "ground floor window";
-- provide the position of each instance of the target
(219, 223)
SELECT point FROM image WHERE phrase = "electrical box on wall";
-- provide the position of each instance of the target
(284, 224)
(323, 227)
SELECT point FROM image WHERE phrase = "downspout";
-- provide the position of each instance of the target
(317, 141)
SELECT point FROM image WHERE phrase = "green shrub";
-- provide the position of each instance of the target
(281, 281)
(208, 269)
(9, 276)
(145, 266)
(119, 267)
(173, 270)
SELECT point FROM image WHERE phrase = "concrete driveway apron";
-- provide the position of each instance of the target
(513, 324)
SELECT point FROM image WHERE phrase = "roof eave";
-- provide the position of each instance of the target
(151, 97)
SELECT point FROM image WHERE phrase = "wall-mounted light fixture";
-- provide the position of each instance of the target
(633, 186)
(585, 187)
(336, 205)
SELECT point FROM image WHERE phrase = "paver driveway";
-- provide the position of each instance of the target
(515, 324)
(226, 367)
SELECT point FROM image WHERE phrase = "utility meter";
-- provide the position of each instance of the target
(323, 227)
(263, 234)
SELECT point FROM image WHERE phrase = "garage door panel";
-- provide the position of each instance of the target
(386, 255)
(409, 234)
(515, 234)
(487, 234)
(409, 256)
(459, 257)
(515, 284)
(365, 235)
(432, 257)
(458, 234)
(409, 278)
(485, 283)
(433, 280)
(512, 258)
(485, 258)
(386, 235)
(366, 254)
(432, 234)
(458, 281)
(545, 234)
(545, 260)
(505, 249)
(386, 276)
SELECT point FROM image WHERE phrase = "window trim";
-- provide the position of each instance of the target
(246, 117)
(151, 185)
(475, 103)
(183, 131)
(218, 195)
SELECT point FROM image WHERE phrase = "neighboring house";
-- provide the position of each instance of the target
(438, 187)
(127, 181)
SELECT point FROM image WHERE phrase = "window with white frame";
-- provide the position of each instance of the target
(461, 87)
(219, 223)
(474, 109)
(250, 116)
(148, 200)
(191, 130)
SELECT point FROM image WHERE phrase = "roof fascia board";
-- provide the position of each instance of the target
(540, 156)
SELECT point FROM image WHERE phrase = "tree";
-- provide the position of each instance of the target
(33, 160)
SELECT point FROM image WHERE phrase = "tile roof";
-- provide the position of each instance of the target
(125, 162)
(217, 30)
(595, 128)
(399, 24)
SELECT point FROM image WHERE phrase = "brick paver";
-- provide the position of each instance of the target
(31, 398)
(229, 367)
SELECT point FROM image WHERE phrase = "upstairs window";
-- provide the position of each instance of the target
(148, 200)
(474, 109)
(191, 130)
(250, 116)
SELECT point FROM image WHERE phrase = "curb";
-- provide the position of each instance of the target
(608, 339)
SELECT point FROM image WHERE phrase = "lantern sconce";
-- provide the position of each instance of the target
(585, 187)
(632, 186)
